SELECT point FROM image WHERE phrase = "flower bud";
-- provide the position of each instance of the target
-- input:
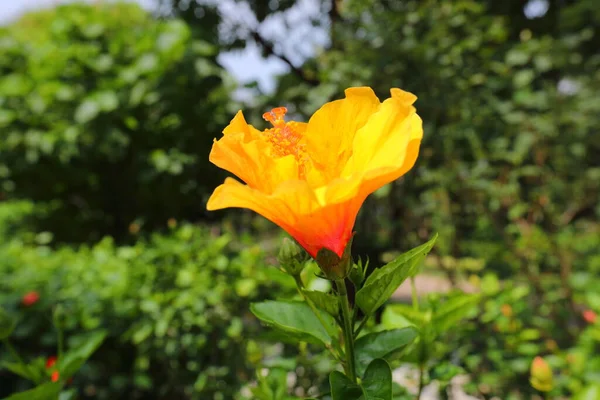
(292, 257)
(358, 272)
(541, 375)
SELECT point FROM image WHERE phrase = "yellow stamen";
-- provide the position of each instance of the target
(284, 137)
(276, 115)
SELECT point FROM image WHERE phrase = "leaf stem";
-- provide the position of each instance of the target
(347, 329)
(413, 291)
(361, 326)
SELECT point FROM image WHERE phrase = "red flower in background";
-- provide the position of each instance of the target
(51, 361)
(30, 298)
(589, 316)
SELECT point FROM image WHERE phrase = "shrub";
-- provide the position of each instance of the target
(107, 115)
(175, 306)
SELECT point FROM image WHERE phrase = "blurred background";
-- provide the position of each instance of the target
(108, 111)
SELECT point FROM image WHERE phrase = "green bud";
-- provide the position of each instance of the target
(358, 272)
(292, 257)
(59, 317)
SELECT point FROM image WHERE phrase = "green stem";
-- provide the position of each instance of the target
(421, 380)
(61, 341)
(413, 291)
(415, 302)
(348, 329)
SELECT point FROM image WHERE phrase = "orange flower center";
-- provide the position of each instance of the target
(284, 137)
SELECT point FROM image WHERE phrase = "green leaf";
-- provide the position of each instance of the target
(272, 387)
(7, 324)
(72, 361)
(47, 391)
(377, 382)
(391, 319)
(383, 282)
(87, 111)
(591, 392)
(342, 388)
(296, 319)
(107, 100)
(14, 85)
(517, 57)
(324, 301)
(444, 372)
(385, 344)
(22, 370)
(70, 394)
(523, 77)
(452, 311)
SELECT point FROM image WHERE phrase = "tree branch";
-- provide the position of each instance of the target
(268, 47)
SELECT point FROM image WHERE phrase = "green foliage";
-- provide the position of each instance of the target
(375, 385)
(377, 381)
(7, 324)
(107, 115)
(507, 173)
(40, 371)
(383, 282)
(47, 391)
(324, 301)
(74, 359)
(433, 322)
(387, 345)
(273, 386)
(589, 393)
(329, 320)
(297, 320)
(106, 118)
(174, 308)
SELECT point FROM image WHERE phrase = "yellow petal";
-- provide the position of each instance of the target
(234, 194)
(376, 178)
(239, 125)
(241, 151)
(383, 141)
(331, 129)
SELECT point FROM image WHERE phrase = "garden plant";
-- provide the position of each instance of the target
(357, 249)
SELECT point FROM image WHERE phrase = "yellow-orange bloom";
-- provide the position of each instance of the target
(541, 375)
(312, 178)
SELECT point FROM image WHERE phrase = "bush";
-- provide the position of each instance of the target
(107, 115)
(176, 308)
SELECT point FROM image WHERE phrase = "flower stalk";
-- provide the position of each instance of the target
(347, 329)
